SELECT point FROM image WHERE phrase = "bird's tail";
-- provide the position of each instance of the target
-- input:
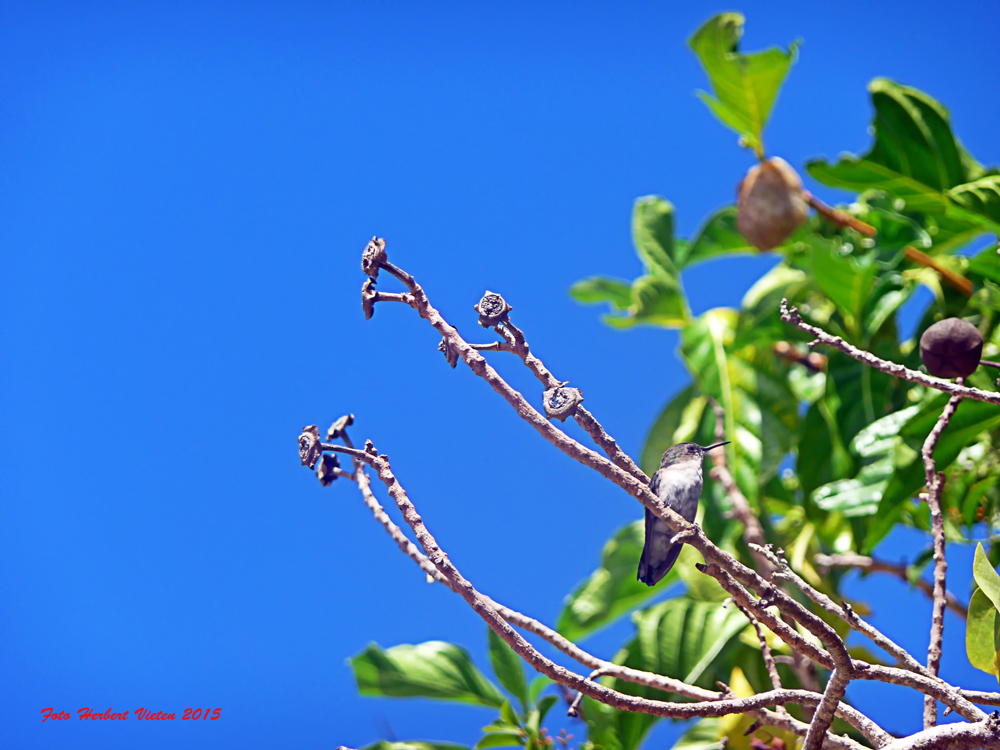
(651, 575)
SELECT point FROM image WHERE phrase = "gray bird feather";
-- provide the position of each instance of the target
(678, 483)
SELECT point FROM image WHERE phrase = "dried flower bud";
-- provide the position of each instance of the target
(373, 256)
(370, 448)
(492, 309)
(309, 450)
(561, 402)
(951, 348)
(770, 204)
(450, 352)
(338, 427)
(326, 472)
(368, 297)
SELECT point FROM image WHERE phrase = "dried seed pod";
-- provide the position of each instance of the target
(492, 309)
(450, 352)
(368, 297)
(338, 427)
(951, 348)
(770, 204)
(326, 472)
(561, 402)
(373, 256)
(309, 450)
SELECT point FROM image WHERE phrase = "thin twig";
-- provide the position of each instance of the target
(873, 565)
(934, 483)
(765, 649)
(791, 315)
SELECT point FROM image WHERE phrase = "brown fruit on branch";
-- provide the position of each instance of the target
(951, 348)
(770, 204)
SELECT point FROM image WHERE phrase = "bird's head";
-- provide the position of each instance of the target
(685, 452)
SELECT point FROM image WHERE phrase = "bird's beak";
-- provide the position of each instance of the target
(717, 445)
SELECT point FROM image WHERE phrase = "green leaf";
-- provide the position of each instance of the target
(385, 745)
(860, 495)
(986, 264)
(916, 158)
(745, 85)
(682, 637)
(719, 236)
(508, 669)
(971, 419)
(846, 280)
(761, 412)
(428, 670)
(602, 289)
(536, 687)
(545, 705)
(704, 734)
(508, 715)
(986, 576)
(982, 634)
(500, 739)
(653, 235)
(612, 590)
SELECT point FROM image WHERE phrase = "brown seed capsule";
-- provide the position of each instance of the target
(492, 309)
(309, 446)
(951, 348)
(368, 297)
(326, 472)
(561, 402)
(373, 256)
(770, 204)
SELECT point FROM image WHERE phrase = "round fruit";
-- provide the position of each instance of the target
(770, 204)
(951, 348)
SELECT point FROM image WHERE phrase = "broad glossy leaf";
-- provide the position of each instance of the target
(682, 637)
(703, 734)
(986, 264)
(846, 280)
(508, 738)
(429, 670)
(986, 576)
(718, 236)
(603, 289)
(982, 634)
(970, 420)
(981, 197)
(508, 668)
(612, 590)
(860, 495)
(915, 157)
(822, 457)
(653, 235)
(745, 85)
(751, 384)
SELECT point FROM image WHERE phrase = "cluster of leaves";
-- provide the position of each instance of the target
(826, 450)
(444, 671)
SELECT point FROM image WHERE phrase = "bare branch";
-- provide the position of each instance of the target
(791, 315)
(934, 483)
(982, 734)
(765, 649)
(873, 565)
(836, 686)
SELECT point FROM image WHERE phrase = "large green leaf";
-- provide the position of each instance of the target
(602, 289)
(682, 638)
(982, 634)
(679, 422)
(718, 236)
(508, 668)
(986, 576)
(981, 197)
(745, 85)
(751, 384)
(612, 590)
(846, 280)
(703, 734)
(915, 157)
(429, 670)
(653, 235)
(986, 264)
(971, 418)
(860, 495)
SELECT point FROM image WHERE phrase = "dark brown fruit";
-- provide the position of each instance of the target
(770, 204)
(951, 348)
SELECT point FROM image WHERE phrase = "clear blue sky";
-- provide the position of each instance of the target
(185, 190)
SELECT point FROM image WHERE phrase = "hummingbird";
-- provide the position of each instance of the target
(677, 483)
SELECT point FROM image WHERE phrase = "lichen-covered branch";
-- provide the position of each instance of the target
(934, 483)
(791, 315)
